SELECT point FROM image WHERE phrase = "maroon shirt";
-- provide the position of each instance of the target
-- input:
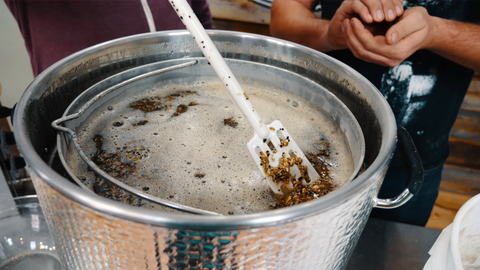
(54, 29)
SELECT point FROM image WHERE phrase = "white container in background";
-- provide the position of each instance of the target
(458, 246)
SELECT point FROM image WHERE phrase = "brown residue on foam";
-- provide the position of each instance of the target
(199, 175)
(300, 193)
(110, 191)
(230, 122)
(140, 123)
(120, 165)
(303, 193)
(182, 108)
(118, 124)
(150, 104)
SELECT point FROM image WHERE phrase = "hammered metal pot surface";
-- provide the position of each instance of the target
(92, 232)
(93, 240)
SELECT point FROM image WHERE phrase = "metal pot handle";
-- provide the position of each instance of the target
(414, 166)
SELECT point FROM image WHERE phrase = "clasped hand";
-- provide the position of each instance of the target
(379, 31)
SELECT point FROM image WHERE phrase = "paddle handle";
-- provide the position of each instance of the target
(188, 17)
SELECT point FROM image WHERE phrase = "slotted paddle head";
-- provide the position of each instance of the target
(280, 159)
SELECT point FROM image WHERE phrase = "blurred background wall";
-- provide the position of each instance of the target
(15, 71)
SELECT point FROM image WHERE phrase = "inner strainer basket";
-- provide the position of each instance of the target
(134, 81)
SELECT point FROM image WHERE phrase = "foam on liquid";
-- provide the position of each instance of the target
(195, 143)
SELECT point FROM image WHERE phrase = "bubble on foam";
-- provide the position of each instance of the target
(198, 142)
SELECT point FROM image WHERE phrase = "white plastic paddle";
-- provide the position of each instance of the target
(281, 141)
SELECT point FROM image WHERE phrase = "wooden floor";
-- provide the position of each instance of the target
(445, 208)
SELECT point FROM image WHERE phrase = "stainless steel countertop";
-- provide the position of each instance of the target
(387, 245)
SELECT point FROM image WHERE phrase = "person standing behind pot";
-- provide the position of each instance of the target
(417, 53)
(54, 29)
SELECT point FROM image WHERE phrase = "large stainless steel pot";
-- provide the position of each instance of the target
(92, 232)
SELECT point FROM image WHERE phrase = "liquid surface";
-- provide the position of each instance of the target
(187, 144)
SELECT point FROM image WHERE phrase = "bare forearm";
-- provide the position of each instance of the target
(292, 20)
(457, 41)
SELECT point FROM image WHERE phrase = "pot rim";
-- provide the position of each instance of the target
(167, 219)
